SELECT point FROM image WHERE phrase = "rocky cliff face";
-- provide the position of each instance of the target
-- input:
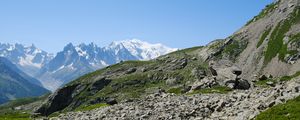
(272, 38)
(255, 68)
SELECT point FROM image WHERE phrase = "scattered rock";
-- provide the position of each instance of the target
(213, 71)
(271, 104)
(111, 101)
(240, 104)
(297, 89)
(199, 73)
(204, 83)
(130, 70)
(263, 77)
(172, 81)
(242, 84)
(230, 84)
(270, 83)
(237, 71)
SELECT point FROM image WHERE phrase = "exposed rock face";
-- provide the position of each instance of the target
(253, 59)
(99, 84)
(58, 101)
(204, 83)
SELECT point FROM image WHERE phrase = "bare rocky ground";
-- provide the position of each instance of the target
(236, 105)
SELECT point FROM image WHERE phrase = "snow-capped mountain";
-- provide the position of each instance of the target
(27, 58)
(75, 61)
(138, 49)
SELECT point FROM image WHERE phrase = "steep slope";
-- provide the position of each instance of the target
(15, 84)
(27, 58)
(75, 61)
(272, 41)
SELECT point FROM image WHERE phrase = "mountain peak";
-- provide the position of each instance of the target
(69, 46)
(142, 49)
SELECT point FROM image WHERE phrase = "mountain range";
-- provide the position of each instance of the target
(16, 84)
(76, 60)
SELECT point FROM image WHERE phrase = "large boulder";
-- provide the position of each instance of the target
(263, 77)
(228, 75)
(111, 101)
(238, 84)
(204, 83)
(198, 73)
(130, 70)
(242, 84)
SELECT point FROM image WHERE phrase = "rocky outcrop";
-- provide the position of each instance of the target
(58, 100)
(228, 74)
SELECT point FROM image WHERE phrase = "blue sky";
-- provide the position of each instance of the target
(51, 24)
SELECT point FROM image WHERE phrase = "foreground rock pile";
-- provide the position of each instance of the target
(237, 105)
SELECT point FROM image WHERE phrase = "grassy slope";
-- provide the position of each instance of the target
(8, 113)
(276, 44)
(287, 111)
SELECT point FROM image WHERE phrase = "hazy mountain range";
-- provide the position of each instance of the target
(76, 60)
(16, 84)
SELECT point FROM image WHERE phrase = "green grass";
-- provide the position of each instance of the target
(91, 107)
(187, 50)
(18, 102)
(263, 37)
(283, 51)
(275, 44)
(235, 48)
(215, 89)
(287, 78)
(230, 49)
(14, 116)
(88, 78)
(269, 8)
(216, 44)
(263, 83)
(176, 91)
(294, 38)
(276, 41)
(286, 111)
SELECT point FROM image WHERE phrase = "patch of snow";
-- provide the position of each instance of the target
(60, 68)
(140, 49)
(11, 47)
(27, 61)
(80, 51)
